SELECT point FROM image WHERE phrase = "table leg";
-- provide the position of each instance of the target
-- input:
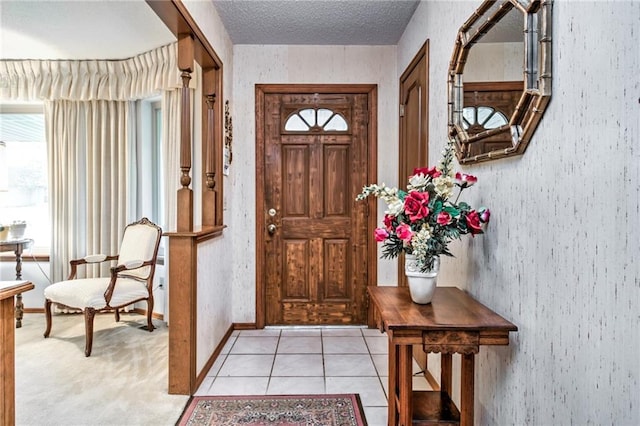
(19, 306)
(446, 363)
(392, 409)
(19, 313)
(405, 355)
(467, 372)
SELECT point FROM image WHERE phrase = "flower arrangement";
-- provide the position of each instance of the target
(423, 220)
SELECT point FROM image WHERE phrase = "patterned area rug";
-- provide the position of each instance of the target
(281, 410)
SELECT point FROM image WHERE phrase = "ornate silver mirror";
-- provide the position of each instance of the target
(499, 78)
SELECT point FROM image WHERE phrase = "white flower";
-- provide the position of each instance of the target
(389, 195)
(443, 186)
(425, 232)
(418, 181)
(395, 208)
(419, 244)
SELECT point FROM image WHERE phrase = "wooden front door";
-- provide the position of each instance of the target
(314, 149)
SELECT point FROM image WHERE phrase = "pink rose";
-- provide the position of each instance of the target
(473, 222)
(381, 234)
(443, 218)
(427, 171)
(485, 214)
(465, 180)
(416, 205)
(404, 232)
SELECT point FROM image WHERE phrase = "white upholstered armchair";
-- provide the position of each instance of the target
(130, 281)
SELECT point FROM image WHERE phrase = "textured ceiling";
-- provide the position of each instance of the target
(332, 22)
(118, 29)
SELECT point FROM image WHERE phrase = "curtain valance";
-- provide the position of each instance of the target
(87, 80)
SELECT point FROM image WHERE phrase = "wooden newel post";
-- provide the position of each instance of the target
(185, 194)
(210, 154)
(211, 183)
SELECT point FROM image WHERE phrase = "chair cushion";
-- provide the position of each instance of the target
(89, 292)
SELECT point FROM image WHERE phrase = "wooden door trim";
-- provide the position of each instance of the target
(423, 53)
(372, 153)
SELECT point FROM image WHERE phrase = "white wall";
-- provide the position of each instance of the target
(560, 258)
(296, 64)
(30, 271)
(494, 62)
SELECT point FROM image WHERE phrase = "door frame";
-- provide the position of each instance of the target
(422, 54)
(372, 153)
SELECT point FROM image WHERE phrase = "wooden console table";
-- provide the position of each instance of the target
(453, 322)
(17, 246)
(8, 289)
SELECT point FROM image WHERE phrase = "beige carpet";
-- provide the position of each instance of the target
(123, 382)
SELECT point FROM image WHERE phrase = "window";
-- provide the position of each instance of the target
(483, 116)
(148, 170)
(24, 189)
(156, 166)
(315, 119)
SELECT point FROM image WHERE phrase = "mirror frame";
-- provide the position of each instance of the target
(537, 76)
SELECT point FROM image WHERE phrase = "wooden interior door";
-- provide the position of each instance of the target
(414, 127)
(314, 234)
(502, 97)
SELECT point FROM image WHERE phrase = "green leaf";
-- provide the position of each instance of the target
(452, 211)
(437, 207)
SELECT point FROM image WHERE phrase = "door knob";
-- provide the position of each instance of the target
(271, 228)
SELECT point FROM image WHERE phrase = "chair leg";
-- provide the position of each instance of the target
(117, 315)
(150, 326)
(89, 314)
(47, 311)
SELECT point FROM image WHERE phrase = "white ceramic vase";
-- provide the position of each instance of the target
(422, 285)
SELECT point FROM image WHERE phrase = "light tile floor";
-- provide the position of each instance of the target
(309, 360)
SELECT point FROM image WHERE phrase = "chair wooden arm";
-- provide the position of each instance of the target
(115, 270)
(95, 258)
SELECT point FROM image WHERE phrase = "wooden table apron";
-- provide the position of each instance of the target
(453, 322)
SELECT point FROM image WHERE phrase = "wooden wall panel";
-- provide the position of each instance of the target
(337, 176)
(295, 162)
(337, 259)
(296, 270)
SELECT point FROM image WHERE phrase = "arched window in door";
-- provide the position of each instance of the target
(483, 116)
(316, 119)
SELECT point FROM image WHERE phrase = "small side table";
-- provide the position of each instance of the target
(17, 246)
(453, 322)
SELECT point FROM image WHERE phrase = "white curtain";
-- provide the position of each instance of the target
(123, 80)
(91, 138)
(91, 150)
(171, 110)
